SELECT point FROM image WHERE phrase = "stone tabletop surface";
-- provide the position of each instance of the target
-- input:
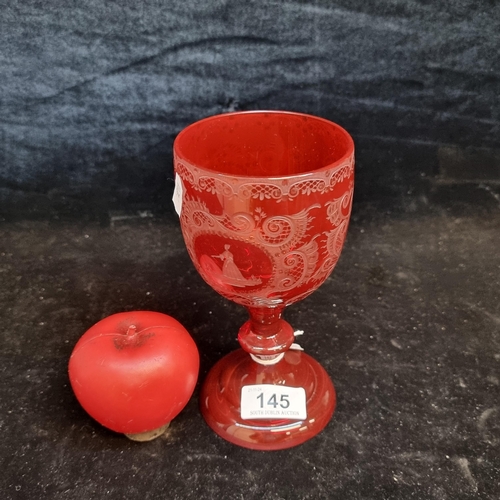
(407, 326)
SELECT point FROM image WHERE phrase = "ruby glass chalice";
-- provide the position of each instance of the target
(264, 199)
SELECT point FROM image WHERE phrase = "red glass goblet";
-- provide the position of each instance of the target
(264, 199)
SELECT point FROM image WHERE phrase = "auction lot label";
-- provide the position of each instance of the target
(267, 401)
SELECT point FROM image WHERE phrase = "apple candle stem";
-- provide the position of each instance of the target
(131, 331)
(127, 339)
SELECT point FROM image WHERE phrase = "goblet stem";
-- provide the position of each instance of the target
(266, 336)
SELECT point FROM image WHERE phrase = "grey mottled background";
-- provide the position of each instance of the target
(93, 93)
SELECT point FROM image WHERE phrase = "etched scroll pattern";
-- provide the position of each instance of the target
(273, 189)
(274, 235)
(300, 260)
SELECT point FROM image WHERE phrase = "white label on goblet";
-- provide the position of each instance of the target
(177, 197)
(273, 402)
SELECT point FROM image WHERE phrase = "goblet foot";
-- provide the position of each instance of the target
(221, 400)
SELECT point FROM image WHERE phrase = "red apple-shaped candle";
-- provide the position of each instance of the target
(134, 372)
